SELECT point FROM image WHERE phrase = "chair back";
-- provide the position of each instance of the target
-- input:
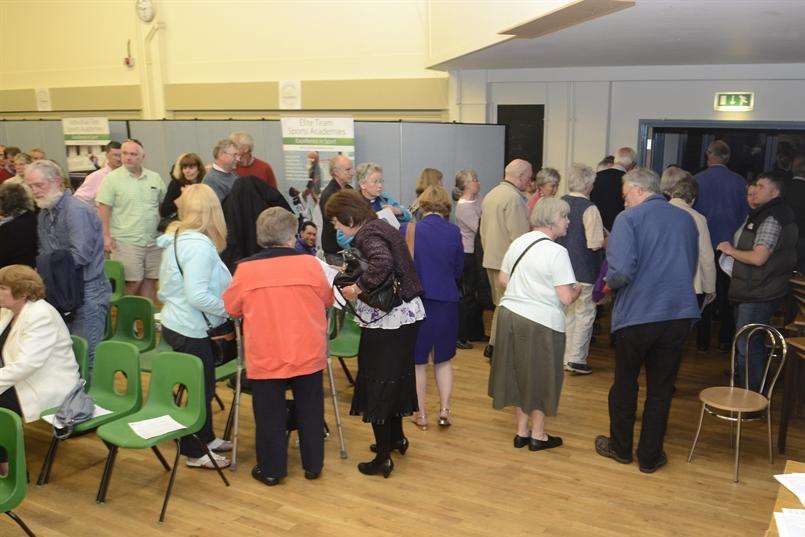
(172, 368)
(348, 338)
(81, 352)
(776, 348)
(131, 310)
(112, 357)
(14, 485)
(114, 271)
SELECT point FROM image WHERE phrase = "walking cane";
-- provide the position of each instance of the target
(236, 402)
(334, 395)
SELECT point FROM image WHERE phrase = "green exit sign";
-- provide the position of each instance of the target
(734, 101)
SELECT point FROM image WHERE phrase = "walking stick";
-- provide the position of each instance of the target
(236, 403)
(334, 395)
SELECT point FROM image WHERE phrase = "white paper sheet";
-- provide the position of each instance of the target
(99, 411)
(388, 215)
(790, 523)
(330, 272)
(726, 263)
(155, 426)
(795, 483)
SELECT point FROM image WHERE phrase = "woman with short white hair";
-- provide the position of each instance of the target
(545, 185)
(527, 363)
(584, 242)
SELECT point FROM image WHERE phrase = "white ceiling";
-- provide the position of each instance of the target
(660, 32)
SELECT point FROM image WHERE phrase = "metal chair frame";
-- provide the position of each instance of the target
(778, 352)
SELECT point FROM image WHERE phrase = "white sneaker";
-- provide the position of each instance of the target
(205, 462)
(219, 445)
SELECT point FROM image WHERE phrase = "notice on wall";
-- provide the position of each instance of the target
(86, 130)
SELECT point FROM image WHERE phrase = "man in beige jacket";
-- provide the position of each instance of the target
(504, 217)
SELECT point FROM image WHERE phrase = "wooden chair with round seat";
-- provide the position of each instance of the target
(740, 404)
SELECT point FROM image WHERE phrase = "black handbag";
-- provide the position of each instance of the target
(385, 297)
(222, 337)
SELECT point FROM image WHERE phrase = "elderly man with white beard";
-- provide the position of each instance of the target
(66, 223)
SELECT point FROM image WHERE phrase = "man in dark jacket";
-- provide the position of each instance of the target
(765, 254)
(794, 196)
(606, 193)
(342, 172)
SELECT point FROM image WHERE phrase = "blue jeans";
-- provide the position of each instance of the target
(748, 313)
(90, 319)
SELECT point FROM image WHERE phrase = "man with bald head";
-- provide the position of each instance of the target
(606, 193)
(504, 217)
(342, 172)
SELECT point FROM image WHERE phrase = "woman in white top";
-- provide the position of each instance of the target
(38, 367)
(468, 218)
(527, 370)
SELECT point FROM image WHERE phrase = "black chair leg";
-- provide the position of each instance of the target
(170, 482)
(218, 400)
(346, 371)
(161, 458)
(47, 464)
(178, 397)
(107, 474)
(230, 423)
(212, 458)
(21, 524)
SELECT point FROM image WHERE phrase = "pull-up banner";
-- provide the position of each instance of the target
(309, 143)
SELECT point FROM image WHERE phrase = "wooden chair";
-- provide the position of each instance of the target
(791, 389)
(733, 403)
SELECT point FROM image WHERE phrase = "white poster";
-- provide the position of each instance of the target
(86, 130)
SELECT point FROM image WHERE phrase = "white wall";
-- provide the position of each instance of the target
(590, 112)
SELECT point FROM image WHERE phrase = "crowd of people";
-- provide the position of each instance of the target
(219, 241)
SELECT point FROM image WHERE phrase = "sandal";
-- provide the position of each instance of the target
(444, 418)
(421, 421)
(207, 464)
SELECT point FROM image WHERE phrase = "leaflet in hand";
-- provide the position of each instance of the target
(388, 215)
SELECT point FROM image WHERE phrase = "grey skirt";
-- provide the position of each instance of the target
(527, 369)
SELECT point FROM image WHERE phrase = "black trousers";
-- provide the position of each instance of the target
(658, 346)
(8, 400)
(201, 347)
(270, 419)
(721, 306)
(470, 310)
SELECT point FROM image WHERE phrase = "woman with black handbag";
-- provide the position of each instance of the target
(192, 279)
(387, 304)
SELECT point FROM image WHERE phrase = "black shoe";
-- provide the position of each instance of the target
(264, 479)
(374, 467)
(702, 348)
(464, 345)
(401, 446)
(603, 446)
(312, 475)
(521, 441)
(662, 461)
(724, 347)
(489, 350)
(480, 339)
(539, 445)
(578, 369)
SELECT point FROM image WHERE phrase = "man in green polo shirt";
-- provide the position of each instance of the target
(128, 202)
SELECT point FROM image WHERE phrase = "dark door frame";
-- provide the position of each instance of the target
(646, 128)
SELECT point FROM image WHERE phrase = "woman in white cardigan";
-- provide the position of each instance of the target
(38, 367)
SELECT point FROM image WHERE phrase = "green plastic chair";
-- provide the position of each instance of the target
(111, 357)
(131, 309)
(346, 341)
(14, 485)
(114, 271)
(81, 352)
(146, 358)
(168, 369)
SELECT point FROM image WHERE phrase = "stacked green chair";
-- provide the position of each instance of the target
(14, 485)
(81, 352)
(346, 341)
(168, 370)
(111, 357)
(114, 271)
(130, 310)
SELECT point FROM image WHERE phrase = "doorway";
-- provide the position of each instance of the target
(524, 128)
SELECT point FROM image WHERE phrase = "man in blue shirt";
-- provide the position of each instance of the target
(722, 200)
(66, 223)
(306, 240)
(652, 254)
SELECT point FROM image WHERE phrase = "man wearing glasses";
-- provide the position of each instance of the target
(248, 164)
(222, 175)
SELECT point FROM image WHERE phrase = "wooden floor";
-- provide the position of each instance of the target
(467, 480)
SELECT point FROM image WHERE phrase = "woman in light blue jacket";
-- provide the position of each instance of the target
(190, 290)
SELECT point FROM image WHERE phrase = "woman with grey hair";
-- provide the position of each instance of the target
(670, 177)
(19, 244)
(585, 244)
(527, 363)
(283, 295)
(545, 184)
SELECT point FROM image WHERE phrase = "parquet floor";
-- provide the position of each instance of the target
(467, 480)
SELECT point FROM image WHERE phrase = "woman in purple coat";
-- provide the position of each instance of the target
(439, 260)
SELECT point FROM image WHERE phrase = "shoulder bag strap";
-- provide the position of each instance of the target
(410, 234)
(181, 272)
(521, 255)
